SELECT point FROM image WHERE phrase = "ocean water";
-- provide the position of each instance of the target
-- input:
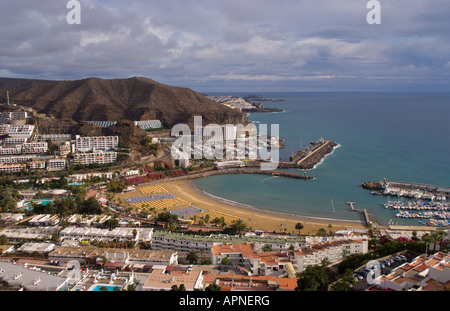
(398, 136)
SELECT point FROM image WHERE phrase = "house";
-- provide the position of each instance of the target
(423, 273)
(165, 277)
(18, 276)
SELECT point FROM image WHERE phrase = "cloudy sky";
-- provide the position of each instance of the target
(233, 45)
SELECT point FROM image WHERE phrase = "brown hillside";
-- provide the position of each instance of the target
(133, 99)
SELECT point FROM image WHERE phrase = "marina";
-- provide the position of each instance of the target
(437, 213)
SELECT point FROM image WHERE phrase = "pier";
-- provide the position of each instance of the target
(310, 157)
(418, 186)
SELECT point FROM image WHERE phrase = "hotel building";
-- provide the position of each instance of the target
(56, 165)
(95, 157)
(86, 144)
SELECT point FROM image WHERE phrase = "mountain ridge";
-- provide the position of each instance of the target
(135, 99)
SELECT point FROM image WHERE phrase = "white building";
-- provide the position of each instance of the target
(96, 234)
(16, 159)
(424, 273)
(95, 157)
(44, 220)
(150, 124)
(31, 247)
(10, 150)
(31, 280)
(35, 147)
(56, 165)
(12, 168)
(20, 130)
(37, 165)
(86, 144)
(15, 140)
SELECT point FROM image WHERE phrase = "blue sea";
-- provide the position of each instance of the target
(398, 136)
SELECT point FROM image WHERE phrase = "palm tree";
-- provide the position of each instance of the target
(427, 239)
(299, 226)
(439, 237)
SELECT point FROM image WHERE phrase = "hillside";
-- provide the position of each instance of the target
(137, 98)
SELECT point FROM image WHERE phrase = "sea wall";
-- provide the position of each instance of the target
(311, 160)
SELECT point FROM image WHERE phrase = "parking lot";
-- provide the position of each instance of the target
(362, 283)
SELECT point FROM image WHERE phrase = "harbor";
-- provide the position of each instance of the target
(426, 203)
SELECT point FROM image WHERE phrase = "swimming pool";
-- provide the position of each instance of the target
(110, 288)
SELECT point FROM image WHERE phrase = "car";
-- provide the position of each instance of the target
(391, 261)
(382, 265)
(402, 257)
(396, 258)
(386, 262)
(363, 272)
(357, 276)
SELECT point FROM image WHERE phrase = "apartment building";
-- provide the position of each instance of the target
(149, 124)
(276, 263)
(56, 165)
(14, 115)
(115, 257)
(19, 276)
(15, 140)
(29, 233)
(15, 159)
(334, 251)
(20, 130)
(12, 168)
(424, 273)
(54, 137)
(163, 278)
(186, 242)
(64, 148)
(35, 165)
(96, 234)
(10, 150)
(86, 144)
(44, 220)
(95, 157)
(35, 147)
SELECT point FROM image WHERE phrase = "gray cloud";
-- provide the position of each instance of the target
(228, 44)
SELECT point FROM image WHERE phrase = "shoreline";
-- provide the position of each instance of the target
(255, 218)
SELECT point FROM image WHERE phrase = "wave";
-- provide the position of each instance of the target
(323, 159)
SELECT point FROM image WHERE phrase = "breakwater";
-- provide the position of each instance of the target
(213, 172)
(309, 158)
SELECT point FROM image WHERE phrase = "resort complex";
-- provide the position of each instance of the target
(78, 215)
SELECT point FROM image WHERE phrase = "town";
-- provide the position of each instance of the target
(73, 218)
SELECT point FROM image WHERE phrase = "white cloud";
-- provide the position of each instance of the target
(203, 43)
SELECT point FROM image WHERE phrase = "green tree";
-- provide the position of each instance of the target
(4, 240)
(238, 226)
(213, 288)
(346, 282)
(322, 232)
(192, 257)
(299, 226)
(313, 278)
(266, 248)
(225, 261)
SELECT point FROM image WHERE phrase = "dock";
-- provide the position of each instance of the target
(419, 186)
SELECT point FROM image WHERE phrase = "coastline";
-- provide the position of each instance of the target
(255, 218)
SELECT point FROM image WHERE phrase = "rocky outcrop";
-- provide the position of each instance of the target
(372, 185)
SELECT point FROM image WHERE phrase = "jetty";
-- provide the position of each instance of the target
(308, 158)
(409, 190)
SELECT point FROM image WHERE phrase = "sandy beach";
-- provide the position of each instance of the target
(255, 218)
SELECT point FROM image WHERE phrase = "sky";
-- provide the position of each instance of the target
(232, 45)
